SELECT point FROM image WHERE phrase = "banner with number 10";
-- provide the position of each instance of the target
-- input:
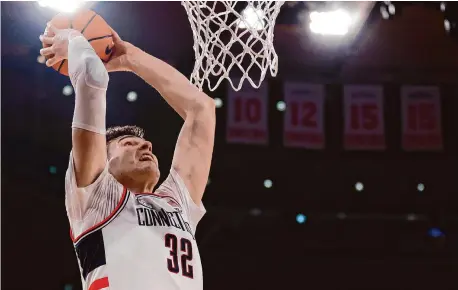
(364, 122)
(247, 115)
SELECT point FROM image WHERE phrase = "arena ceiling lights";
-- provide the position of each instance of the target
(336, 22)
(66, 6)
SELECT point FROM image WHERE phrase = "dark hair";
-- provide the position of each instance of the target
(118, 131)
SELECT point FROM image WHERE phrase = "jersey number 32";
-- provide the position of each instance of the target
(180, 255)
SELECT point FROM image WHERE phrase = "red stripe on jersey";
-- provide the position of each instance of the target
(99, 284)
(121, 201)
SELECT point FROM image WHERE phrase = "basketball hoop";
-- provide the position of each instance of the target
(233, 42)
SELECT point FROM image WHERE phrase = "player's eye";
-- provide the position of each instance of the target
(128, 143)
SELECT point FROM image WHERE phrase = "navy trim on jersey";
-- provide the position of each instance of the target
(104, 223)
(91, 252)
(158, 196)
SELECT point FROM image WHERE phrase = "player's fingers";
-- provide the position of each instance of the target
(52, 61)
(116, 37)
(51, 28)
(47, 51)
(48, 33)
(47, 39)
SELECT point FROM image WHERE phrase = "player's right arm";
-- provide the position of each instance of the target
(92, 193)
(90, 80)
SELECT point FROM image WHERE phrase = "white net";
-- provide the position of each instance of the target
(233, 40)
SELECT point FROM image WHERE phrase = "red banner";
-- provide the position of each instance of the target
(364, 122)
(421, 118)
(303, 123)
(247, 115)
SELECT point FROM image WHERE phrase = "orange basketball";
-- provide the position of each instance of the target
(93, 27)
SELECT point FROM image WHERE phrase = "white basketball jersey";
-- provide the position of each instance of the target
(129, 241)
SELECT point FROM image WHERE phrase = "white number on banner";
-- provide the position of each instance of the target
(303, 125)
(421, 118)
(364, 128)
(247, 115)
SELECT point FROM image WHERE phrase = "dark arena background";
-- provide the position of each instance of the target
(339, 212)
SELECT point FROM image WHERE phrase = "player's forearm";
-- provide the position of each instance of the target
(90, 80)
(174, 87)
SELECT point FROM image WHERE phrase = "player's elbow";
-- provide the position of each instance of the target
(204, 106)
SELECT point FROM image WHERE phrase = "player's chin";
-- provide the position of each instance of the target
(148, 167)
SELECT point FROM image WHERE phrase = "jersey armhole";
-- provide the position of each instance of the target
(92, 207)
(196, 211)
(113, 214)
(72, 175)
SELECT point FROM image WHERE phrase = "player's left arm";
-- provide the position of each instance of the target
(194, 148)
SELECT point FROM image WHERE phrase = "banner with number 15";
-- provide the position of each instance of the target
(364, 122)
(421, 118)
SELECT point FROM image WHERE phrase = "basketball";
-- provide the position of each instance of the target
(94, 29)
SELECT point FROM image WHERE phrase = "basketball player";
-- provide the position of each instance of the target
(127, 236)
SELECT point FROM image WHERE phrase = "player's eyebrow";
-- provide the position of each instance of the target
(124, 137)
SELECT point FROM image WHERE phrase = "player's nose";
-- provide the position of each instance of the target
(146, 145)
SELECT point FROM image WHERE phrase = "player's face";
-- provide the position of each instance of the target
(132, 158)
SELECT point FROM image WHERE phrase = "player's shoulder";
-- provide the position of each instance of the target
(105, 181)
(173, 183)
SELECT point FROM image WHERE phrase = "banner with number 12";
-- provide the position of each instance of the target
(247, 115)
(364, 122)
(304, 122)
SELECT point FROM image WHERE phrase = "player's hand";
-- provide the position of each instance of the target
(122, 54)
(58, 41)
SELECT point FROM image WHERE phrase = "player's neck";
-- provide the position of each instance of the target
(139, 187)
(145, 188)
(137, 184)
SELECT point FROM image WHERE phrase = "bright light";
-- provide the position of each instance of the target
(391, 9)
(41, 59)
(443, 6)
(252, 18)
(435, 232)
(267, 183)
(411, 217)
(67, 6)
(281, 106)
(341, 215)
(255, 212)
(384, 12)
(447, 25)
(218, 103)
(300, 218)
(132, 96)
(52, 169)
(420, 187)
(359, 186)
(330, 23)
(67, 90)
